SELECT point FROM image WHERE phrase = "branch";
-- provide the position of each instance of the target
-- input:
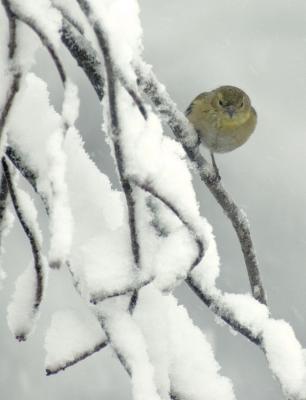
(45, 41)
(98, 297)
(183, 132)
(87, 58)
(80, 357)
(15, 158)
(115, 128)
(216, 306)
(16, 75)
(66, 16)
(199, 242)
(31, 235)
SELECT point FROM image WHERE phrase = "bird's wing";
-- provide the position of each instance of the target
(196, 100)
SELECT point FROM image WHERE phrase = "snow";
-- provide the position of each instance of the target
(164, 351)
(69, 336)
(71, 103)
(178, 350)
(285, 356)
(21, 316)
(3, 55)
(107, 263)
(40, 12)
(6, 226)
(249, 312)
(40, 145)
(61, 222)
(22, 312)
(128, 340)
(120, 20)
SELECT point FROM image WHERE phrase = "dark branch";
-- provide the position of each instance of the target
(80, 357)
(15, 158)
(98, 297)
(85, 56)
(187, 224)
(45, 41)
(225, 314)
(30, 233)
(116, 129)
(66, 16)
(3, 202)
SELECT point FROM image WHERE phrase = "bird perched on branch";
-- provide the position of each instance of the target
(223, 118)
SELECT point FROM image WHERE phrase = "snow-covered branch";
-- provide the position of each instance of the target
(26, 214)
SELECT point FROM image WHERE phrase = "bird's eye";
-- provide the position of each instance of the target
(241, 105)
(221, 103)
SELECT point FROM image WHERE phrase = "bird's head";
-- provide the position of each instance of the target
(231, 103)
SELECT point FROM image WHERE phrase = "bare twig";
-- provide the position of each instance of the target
(183, 132)
(31, 235)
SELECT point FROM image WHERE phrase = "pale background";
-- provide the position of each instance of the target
(195, 46)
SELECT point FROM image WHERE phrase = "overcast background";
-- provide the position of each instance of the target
(195, 46)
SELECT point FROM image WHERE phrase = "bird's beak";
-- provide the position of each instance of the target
(230, 110)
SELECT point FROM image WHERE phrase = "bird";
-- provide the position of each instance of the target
(223, 118)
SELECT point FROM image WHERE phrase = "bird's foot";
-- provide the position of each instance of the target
(214, 178)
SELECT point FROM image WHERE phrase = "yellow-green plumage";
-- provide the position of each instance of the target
(223, 118)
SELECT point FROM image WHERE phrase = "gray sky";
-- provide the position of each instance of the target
(195, 46)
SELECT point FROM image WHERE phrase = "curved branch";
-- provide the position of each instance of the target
(15, 158)
(16, 75)
(87, 59)
(183, 132)
(187, 224)
(116, 129)
(66, 16)
(31, 234)
(45, 41)
(85, 56)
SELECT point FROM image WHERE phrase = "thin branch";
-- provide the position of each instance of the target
(216, 306)
(31, 235)
(16, 75)
(87, 58)
(80, 357)
(3, 201)
(127, 188)
(66, 16)
(146, 187)
(16, 159)
(182, 131)
(98, 297)
(116, 129)
(45, 41)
